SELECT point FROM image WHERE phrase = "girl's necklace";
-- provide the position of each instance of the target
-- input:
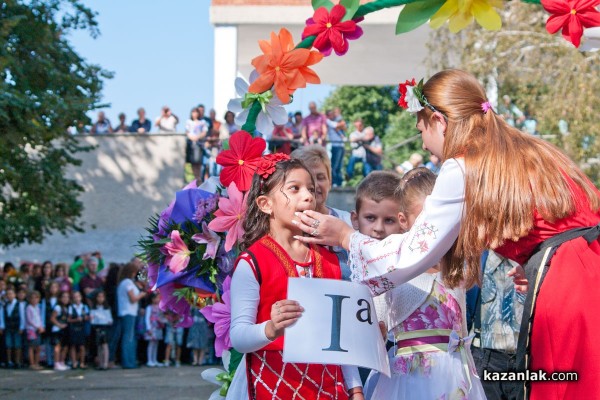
(305, 272)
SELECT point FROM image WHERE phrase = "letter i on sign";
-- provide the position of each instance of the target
(336, 322)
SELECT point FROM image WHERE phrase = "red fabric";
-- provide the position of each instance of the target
(271, 378)
(566, 323)
(268, 375)
(521, 250)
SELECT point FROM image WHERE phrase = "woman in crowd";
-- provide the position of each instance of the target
(128, 297)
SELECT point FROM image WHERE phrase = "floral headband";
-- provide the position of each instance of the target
(268, 163)
(412, 98)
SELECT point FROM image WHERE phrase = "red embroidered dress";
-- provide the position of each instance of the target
(268, 376)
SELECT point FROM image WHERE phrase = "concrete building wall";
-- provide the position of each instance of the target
(127, 179)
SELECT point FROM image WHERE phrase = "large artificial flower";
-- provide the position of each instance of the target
(220, 315)
(152, 273)
(210, 238)
(461, 14)
(241, 160)
(170, 301)
(408, 100)
(178, 254)
(330, 31)
(270, 114)
(230, 216)
(572, 16)
(284, 66)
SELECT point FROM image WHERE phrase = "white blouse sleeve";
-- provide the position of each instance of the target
(383, 265)
(246, 335)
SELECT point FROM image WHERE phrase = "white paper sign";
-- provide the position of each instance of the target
(339, 325)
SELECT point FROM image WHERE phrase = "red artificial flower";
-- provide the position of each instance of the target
(402, 90)
(330, 31)
(571, 16)
(268, 163)
(241, 160)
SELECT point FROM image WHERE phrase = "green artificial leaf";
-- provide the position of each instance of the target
(416, 14)
(351, 8)
(322, 3)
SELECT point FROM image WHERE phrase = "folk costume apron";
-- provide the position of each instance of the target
(268, 376)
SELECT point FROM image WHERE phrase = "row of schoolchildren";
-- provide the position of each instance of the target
(47, 328)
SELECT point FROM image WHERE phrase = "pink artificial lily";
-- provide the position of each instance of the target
(230, 216)
(220, 315)
(210, 238)
(178, 255)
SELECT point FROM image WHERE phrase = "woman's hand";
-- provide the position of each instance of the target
(519, 279)
(284, 313)
(323, 229)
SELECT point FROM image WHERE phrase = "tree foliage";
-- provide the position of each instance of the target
(45, 87)
(542, 73)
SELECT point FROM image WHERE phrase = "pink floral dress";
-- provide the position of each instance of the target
(424, 372)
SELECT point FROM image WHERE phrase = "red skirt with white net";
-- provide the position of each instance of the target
(269, 378)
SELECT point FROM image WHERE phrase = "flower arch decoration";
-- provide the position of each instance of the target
(191, 246)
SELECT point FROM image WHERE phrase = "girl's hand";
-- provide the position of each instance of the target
(284, 313)
(519, 279)
(323, 229)
(356, 394)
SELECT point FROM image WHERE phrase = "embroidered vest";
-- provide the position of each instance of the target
(272, 268)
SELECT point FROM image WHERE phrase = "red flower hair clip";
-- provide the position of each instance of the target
(267, 164)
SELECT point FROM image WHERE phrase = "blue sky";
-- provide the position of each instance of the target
(161, 53)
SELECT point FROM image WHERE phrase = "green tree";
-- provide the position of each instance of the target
(45, 87)
(373, 104)
(543, 74)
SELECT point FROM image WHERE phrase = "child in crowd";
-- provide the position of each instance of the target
(155, 322)
(13, 325)
(60, 276)
(260, 311)
(173, 339)
(431, 356)
(50, 301)
(79, 314)
(101, 320)
(60, 325)
(197, 339)
(34, 328)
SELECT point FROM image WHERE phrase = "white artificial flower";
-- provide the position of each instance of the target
(211, 374)
(274, 111)
(414, 105)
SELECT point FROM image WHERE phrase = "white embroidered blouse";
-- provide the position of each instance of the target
(383, 265)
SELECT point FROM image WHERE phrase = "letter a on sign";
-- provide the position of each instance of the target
(336, 326)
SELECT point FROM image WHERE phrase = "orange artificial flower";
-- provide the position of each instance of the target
(283, 66)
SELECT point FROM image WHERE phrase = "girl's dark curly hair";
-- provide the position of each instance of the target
(256, 223)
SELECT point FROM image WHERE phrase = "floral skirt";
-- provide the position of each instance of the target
(425, 376)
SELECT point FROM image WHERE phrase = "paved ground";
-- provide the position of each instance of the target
(145, 383)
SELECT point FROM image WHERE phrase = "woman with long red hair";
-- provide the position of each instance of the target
(502, 189)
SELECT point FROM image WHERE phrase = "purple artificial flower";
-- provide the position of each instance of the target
(220, 315)
(204, 207)
(152, 273)
(178, 305)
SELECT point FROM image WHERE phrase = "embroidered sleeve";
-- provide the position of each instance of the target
(383, 265)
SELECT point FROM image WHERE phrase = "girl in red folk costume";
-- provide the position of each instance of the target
(260, 311)
(502, 189)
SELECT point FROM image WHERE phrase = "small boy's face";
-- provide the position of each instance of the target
(21, 295)
(377, 220)
(10, 295)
